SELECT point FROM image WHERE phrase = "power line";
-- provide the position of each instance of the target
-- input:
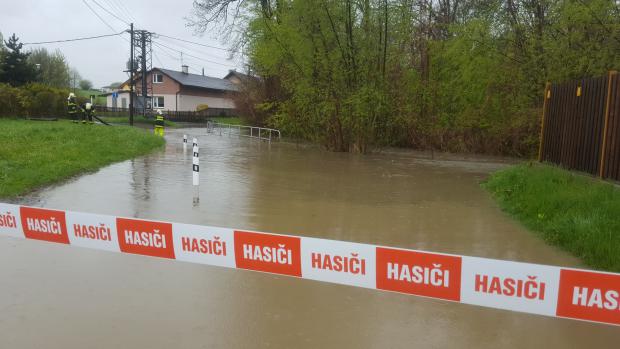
(157, 58)
(115, 8)
(192, 50)
(127, 11)
(196, 43)
(195, 56)
(110, 12)
(76, 39)
(171, 55)
(103, 20)
(96, 14)
(199, 58)
(166, 52)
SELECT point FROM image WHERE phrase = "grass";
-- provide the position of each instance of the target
(36, 153)
(100, 100)
(138, 119)
(577, 213)
(232, 120)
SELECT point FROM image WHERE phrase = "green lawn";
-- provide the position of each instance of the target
(232, 120)
(99, 100)
(37, 153)
(577, 213)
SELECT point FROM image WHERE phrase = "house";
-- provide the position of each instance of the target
(181, 91)
(238, 78)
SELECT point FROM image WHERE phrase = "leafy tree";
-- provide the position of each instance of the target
(53, 68)
(453, 75)
(14, 67)
(86, 84)
(75, 78)
(114, 85)
(2, 52)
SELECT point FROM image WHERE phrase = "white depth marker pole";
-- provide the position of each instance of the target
(195, 165)
(184, 142)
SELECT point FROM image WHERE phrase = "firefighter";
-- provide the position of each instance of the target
(72, 107)
(89, 111)
(159, 124)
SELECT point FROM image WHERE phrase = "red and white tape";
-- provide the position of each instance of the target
(530, 288)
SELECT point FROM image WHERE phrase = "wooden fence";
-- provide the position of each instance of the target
(189, 116)
(581, 125)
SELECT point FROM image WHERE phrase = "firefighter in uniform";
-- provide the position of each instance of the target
(159, 124)
(89, 111)
(72, 107)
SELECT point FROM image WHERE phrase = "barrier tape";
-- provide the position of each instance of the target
(522, 287)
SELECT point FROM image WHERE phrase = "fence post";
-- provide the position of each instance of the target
(195, 166)
(546, 97)
(607, 106)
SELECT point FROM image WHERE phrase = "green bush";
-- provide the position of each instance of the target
(32, 100)
(11, 101)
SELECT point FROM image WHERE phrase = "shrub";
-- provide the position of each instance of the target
(32, 100)
(10, 101)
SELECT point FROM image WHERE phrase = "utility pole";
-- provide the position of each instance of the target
(144, 89)
(141, 49)
(131, 76)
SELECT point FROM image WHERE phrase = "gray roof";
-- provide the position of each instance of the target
(201, 81)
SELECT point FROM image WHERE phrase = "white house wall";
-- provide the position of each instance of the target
(185, 102)
(169, 101)
(189, 103)
(119, 100)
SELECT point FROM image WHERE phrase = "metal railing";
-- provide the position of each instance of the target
(262, 133)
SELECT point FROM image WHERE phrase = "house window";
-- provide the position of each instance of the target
(158, 78)
(158, 102)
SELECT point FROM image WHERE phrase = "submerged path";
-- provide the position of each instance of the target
(83, 298)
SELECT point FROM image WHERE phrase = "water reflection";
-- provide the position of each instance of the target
(390, 199)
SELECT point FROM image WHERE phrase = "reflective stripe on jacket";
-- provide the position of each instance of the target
(72, 107)
(159, 121)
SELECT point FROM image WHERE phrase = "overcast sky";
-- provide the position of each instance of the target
(103, 60)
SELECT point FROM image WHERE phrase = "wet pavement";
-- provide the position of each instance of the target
(55, 296)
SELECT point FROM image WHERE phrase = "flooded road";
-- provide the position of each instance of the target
(54, 296)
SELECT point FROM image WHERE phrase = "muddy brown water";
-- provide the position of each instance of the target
(54, 296)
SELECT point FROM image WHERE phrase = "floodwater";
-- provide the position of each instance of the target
(55, 296)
